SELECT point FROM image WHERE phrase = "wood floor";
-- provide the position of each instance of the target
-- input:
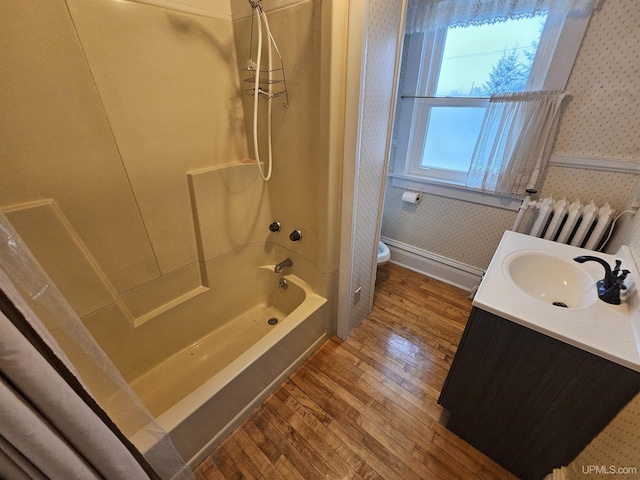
(365, 408)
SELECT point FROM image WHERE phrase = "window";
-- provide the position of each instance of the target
(448, 75)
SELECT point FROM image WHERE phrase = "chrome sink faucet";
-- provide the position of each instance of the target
(609, 287)
(286, 263)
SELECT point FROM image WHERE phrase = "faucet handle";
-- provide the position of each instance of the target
(620, 278)
(274, 227)
(612, 294)
(616, 269)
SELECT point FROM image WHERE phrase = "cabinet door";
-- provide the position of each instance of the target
(528, 401)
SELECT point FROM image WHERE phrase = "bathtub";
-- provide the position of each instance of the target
(203, 392)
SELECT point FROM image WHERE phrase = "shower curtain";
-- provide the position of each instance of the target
(46, 428)
(51, 426)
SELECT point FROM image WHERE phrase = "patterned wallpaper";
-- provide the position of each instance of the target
(604, 119)
(464, 231)
(574, 183)
(470, 232)
(382, 36)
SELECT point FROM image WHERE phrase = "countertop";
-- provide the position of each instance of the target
(609, 331)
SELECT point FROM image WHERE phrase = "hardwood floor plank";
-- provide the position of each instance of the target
(444, 467)
(420, 412)
(419, 334)
(416, 284)
(367, 363)
(409, 373)
(294, 452)
(298, 401)
(211, 473)
(347, 348)
(385, 433)
(422, 333)
(421, 318)
(390, 412)
(367, 419)
(256, 455)
(412, 359)
(208, 470)
(225, 463)
(243, 463)
(343, 428)
(268, 449)
(365, 408)
(287, 470)
(306, 408)
(359, 444)
(317, 452)
(327, 364)
(468, 456)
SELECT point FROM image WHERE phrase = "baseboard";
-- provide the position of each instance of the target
(435, 266)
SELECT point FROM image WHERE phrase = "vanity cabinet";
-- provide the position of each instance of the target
(526, 400)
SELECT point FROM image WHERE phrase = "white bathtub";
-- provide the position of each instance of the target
(201, 393)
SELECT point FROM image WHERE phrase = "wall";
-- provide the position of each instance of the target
(301, 174)
(605, 120)
(374, 36)
(619, 443)
(124, 160)
(601, 120)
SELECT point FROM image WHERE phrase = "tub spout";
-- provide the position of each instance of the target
(286, 263)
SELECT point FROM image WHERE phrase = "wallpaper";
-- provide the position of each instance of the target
(382, 36)
(578, 183)
(603, 119)
(430, 224)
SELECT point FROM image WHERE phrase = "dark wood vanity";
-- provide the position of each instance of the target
(528, 401)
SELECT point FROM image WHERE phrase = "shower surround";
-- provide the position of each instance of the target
(126, 172)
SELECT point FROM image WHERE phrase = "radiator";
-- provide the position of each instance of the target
(578, 224)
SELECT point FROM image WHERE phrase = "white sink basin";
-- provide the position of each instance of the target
(527, 274)
(550, 279)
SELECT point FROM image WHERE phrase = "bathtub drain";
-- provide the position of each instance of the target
(272, 321)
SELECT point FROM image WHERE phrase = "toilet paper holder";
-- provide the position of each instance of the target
(412, 196)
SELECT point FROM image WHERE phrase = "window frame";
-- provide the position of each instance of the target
(557, 50)
(421, 119)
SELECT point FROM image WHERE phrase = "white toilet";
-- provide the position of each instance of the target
(383, 253)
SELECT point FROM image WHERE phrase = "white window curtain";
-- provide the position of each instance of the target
(426, 15)
(515, 141)
(518, 130)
